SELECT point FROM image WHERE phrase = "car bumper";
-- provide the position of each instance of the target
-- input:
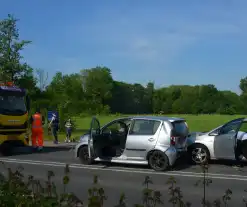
(15, 138)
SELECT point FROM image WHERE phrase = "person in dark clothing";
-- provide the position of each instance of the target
(241, 139)
(54, 124)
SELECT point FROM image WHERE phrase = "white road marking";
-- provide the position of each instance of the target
(126, 170)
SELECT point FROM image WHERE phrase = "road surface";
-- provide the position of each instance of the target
(116, 179)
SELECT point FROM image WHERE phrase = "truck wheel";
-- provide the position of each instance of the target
(158, 161)
(6, 149)
(84, 156)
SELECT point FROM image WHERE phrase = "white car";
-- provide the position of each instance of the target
(147, 140)
(219, 143)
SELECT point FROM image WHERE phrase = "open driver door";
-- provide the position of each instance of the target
(93, 134)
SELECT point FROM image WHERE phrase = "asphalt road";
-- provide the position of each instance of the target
(116, 179)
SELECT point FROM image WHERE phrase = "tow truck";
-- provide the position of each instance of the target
(14, 108)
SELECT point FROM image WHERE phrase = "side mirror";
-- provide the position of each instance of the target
(214, 134)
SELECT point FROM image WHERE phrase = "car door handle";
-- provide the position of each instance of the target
(151, 139)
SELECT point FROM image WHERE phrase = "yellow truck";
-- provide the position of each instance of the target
(14, 107)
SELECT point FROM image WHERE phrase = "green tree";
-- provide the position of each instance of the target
(243, 96)
(243, 85)
(97, 85)
(11, 68)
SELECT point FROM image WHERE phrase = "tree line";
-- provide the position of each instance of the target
(94, 91)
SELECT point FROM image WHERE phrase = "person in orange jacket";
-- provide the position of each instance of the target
(37, 121)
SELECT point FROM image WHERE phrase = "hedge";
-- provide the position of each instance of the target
(16, 190)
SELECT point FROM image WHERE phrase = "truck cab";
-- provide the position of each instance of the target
(14, 107)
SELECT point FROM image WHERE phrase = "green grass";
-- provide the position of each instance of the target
(195, 123)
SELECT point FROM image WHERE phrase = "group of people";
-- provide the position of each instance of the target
(37, 121)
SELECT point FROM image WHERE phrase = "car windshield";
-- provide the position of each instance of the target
(181, 128)
(12, 104)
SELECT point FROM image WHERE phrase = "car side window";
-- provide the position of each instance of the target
(111, 128)
(230, 128)
(243, 127)
(115, 127)
(144, 127)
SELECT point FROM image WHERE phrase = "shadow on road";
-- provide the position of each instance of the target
(230, 163)
(30, 150)
(181, 164)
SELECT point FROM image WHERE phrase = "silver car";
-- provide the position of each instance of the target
(219, 143)
(147, 140)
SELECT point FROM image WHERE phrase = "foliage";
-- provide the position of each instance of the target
(11, 68)
(86, 94)
(16, 190)
(93, 91)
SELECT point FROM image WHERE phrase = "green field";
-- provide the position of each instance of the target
(195, 122)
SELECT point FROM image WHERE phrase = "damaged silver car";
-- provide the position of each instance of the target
(145, 140)
(219, 143)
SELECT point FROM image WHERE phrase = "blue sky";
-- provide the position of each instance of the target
(168, 42)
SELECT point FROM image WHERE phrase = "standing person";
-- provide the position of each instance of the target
(54, 124)
(37, 122)
(68, 127)
(241, 139)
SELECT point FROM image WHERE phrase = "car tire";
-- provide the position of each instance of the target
(84, 156)
(158, 161)
(198, 154)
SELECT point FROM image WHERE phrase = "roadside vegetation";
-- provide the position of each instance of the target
(93, 91)
(21, 191)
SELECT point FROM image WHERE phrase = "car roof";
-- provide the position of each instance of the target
(157, 118)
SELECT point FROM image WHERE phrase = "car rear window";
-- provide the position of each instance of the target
(181, 128)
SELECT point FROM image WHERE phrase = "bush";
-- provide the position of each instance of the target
(15, 190)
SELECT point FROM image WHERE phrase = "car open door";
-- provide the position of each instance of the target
(225, 139)
(93, 134)
(244, 138)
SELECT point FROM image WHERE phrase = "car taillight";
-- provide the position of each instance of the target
(173, 140)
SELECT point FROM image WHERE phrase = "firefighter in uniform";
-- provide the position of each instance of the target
(37, 121)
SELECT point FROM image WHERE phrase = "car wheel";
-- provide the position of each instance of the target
(84, 156)
(199, 154)
(158, 161)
